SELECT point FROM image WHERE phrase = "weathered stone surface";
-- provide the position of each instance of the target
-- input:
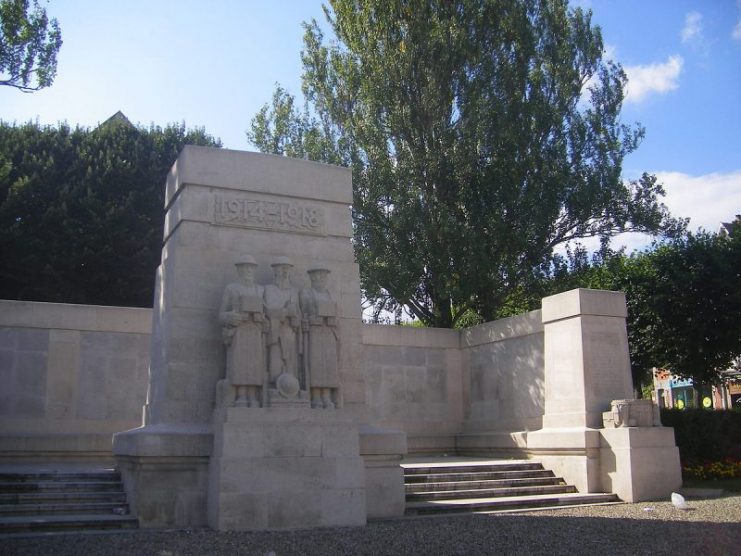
(282, 468)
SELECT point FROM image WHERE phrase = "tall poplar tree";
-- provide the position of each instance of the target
(481, 135)
(29, 43)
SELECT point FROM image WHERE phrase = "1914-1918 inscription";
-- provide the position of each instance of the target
(288, 216)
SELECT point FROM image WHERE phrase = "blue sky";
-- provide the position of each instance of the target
(213, 64)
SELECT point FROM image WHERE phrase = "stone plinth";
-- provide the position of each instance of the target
(382, 451)
(639, 463)
(285, 468)
(587, 373)
(165, 472)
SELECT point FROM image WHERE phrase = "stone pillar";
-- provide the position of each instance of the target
(587, 365)
(287, 215)
(593, 434)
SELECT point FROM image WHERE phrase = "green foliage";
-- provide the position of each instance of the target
(82, 211)
(683, 297)
(704, 435)
(481, 134)
(29, 43)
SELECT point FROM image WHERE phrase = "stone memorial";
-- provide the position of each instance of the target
(256, 400)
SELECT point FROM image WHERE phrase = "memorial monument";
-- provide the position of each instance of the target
(256, 400)
(270, 405)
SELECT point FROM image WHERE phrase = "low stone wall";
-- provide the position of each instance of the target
(72, 375)
(413, 382)
(475, 391)
(506, 384)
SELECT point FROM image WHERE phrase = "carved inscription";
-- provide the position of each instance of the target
(288, 216)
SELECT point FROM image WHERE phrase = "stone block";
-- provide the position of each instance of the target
(295, 509)
(384, 486)
(572, 453)
(584, 302)
(343, 507)
(639, 464)
(32, 339)
(293, 441)
(340, 441)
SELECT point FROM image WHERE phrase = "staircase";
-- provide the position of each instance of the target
(54, 501)
(439, 487)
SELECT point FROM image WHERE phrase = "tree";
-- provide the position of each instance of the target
(481, 134)
(29, 43)
(684, 302)
(82, 211)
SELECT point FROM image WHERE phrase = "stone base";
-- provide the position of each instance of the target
(275, 399)
(285, 468)
(165, 473)
(572, 453)
(382, 451)
(640, 463)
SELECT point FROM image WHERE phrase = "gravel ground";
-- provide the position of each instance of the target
(708, 527)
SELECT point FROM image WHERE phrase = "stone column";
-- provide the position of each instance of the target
(587, 365)
(587, 371)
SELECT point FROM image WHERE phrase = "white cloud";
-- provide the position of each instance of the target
(737, 31)
(653, 78)
(692, 30)
(706, 200)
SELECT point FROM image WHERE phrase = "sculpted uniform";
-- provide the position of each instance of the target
(282, 310)
(245, 364)
(320, 313)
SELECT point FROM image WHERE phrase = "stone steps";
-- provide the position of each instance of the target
(468, 486)
(62, 497)
(59, 523)
(490, 505)
(490, 492)
(456, 485)
(57, 501)
(477, 476)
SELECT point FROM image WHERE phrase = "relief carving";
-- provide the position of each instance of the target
(269, 215)
(282, 344)
(319, 325)
(244, 327)
(284, 318)
(632, 413)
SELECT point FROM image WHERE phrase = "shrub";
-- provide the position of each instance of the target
(704, 435)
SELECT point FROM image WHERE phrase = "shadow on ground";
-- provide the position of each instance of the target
(499, 534)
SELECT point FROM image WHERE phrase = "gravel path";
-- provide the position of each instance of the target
(709, 527)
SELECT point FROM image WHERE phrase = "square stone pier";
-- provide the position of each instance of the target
(255, 412)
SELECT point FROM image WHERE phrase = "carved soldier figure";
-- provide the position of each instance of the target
(243, 330)
(319, 323)
(282, 310)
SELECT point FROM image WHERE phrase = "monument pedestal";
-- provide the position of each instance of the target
(285, 468)
(587, 372)
(639, 463)
(165, 472)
